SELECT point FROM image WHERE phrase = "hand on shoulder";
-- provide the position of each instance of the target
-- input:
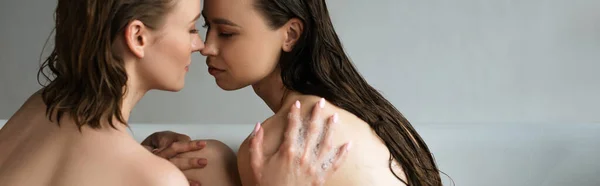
(299, 160)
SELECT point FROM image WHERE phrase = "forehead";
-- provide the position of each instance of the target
(185, 10)
(238, 10)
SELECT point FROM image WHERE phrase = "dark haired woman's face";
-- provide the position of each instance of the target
(241, 49)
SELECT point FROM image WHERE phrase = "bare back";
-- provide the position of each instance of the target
(367, 163)
(35, 151)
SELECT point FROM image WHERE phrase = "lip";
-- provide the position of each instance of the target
(214, 71)
(187, 68)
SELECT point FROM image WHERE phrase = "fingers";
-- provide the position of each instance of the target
(256, 151)
(180, 147)
(292, 130)
(189, 163)
(166, 138)
(194, 183)
(148, 142)
(314, 131)
(154, 138)
(163, 139)
(325, 150)
(181, 137)
(341, 156)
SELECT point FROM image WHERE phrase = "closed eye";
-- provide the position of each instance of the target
(225, 34)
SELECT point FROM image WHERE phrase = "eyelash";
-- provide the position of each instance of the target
(194, 31)
(226, 35)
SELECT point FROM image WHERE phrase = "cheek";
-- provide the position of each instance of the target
(168, 57)
(180, 48)
(174, 52)
(251, 60)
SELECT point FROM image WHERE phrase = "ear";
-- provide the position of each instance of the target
(293, 30)
(136, 38)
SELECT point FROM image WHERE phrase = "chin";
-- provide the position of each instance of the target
(177, 89)
(172, 88)
(229, 86)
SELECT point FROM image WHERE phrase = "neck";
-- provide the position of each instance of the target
(134, 90)
(272, 91)
(132, 94)
(130, 99)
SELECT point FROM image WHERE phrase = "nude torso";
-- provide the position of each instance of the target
(368, 160)
(35, 151)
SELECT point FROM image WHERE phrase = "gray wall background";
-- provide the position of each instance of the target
(504, 92)
(462, 61)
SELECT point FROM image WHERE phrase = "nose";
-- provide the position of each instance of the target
(210, 49)
(197, 44)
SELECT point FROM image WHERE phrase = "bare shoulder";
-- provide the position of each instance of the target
(368, 162)
(274, 126)
(271, 127)
(33, 106)
(350, 121)
(351, 128)
(35, 100)
(221, 168)
(154, 171)
(309, 102)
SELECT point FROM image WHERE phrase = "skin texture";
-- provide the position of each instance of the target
(366, 164)
(246, 52)
(38, 148)
(298, 160)
(192, 158)
(36, 151)
(292, 163)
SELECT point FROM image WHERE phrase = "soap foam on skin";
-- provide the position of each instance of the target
(302, 134)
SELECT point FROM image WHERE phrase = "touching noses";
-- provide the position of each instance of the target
(209, 48)
(197, 44)
(205, 48)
